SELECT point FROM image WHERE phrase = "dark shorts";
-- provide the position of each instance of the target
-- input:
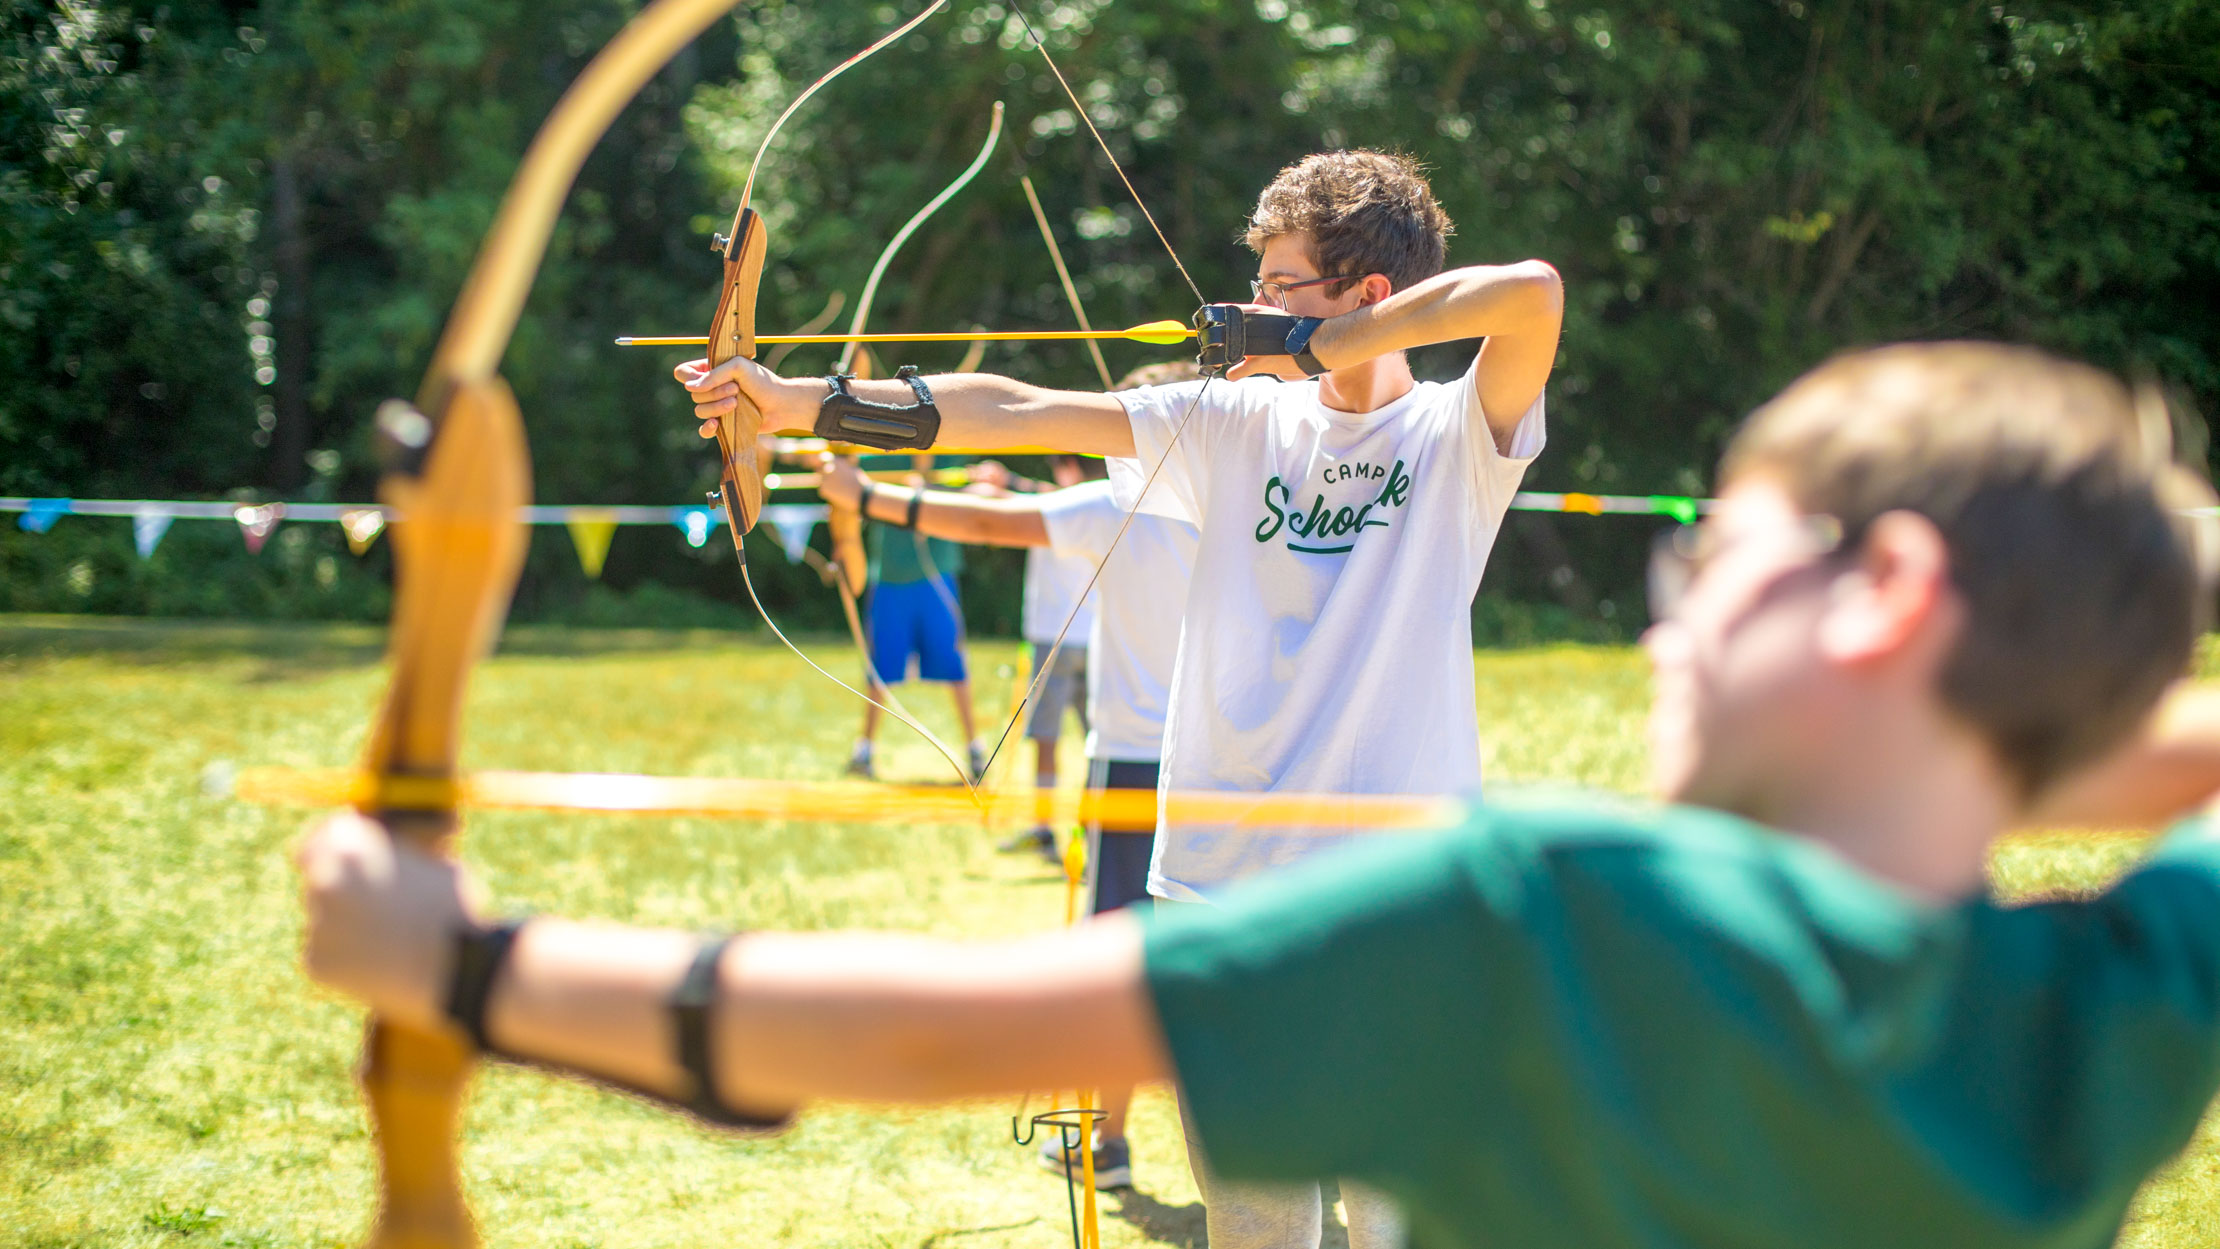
(1118, 862)
(912, 618)
(1064, 686)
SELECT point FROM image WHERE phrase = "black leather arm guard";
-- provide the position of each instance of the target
(480, 955)
(1227, 334)
(843, 417)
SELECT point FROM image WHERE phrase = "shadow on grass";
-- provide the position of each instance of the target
(1171, 1225)
(1186, 1227)
(288, 649)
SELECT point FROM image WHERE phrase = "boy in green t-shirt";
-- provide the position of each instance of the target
(1941, 580)
(913, 616)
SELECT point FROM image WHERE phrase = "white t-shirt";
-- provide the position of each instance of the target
(1141, 593)
(1053, 584)
(1328, 633)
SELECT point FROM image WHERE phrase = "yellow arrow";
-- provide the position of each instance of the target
(1159, 332)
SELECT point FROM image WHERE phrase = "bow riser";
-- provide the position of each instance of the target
(732, 333)
(458, 546)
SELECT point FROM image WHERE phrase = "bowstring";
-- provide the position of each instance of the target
(1048, 661)
(747, 194)
(1089, 122)
(1111, 550)
(848, 603)
(864, 304)
(747, 188)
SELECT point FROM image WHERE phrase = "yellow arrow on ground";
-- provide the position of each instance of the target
(1159, 332)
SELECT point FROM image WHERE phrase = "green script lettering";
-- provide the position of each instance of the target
(1266, 528)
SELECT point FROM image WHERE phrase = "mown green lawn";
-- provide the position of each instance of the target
(167, 1078)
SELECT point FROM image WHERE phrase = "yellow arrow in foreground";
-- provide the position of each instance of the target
(1162, 333)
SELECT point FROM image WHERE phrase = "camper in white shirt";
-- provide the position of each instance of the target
(1058, 621)
(1133, 641)
(1345, 521)
(1329, 635)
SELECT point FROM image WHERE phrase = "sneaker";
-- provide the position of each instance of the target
(1038, 840)
(1113, 1160)
(859, 763)
(978, 756)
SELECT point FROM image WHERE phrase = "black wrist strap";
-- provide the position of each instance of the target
(1297, 344)
(480, 954)
(1227, 334)
(863, 500)
(690, 1003)
(917, 505)
(846, 417)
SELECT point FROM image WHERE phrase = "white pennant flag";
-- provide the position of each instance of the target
(794, 521)
(148, 524)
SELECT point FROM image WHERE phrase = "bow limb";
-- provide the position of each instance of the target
(458, 474)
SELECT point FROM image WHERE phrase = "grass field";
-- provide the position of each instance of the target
(167, 1078)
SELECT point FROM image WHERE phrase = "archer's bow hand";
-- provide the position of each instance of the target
(1250, 340)
(381, 919)
(786, 403)
(839, 482)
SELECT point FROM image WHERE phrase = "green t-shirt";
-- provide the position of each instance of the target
(894, 556)
(895, 561)
(1677, 1029)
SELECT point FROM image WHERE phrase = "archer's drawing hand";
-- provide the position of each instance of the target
(786, 403)
(381, 918)
(839, 482)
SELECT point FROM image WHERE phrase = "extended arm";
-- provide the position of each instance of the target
(962, 518)
(2166, 771)
(798, 1017)
(977, 410)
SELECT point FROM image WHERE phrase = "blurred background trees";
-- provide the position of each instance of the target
(227, 231)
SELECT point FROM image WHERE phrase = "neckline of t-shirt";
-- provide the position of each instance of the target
(1359, 420)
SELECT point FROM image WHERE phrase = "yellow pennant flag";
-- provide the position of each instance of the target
(362, 526)
(590, 531)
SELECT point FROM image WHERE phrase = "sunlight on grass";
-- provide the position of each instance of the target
(166, 1077)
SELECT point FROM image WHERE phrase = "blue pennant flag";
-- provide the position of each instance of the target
(39, 515)
(696, 523)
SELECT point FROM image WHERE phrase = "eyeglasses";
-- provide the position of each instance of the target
(1679, 555)
(1275, 293)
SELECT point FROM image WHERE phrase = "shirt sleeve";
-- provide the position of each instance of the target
(1082, 521)
(2093, 1047)
(1179, 488)
(1317, 1018)
(1496, 472)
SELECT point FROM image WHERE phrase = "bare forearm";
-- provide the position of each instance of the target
(962, 518)
(2169, 769)
(981, 411)
(852, 1017)
(1479, 301)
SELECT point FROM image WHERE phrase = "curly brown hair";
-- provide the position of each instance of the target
(1365, 212)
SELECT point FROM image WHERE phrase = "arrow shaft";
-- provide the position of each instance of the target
(954, 336)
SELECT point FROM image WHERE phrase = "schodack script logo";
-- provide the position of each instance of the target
(1319, 524)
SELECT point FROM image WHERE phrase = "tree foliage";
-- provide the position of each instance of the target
(228, 231)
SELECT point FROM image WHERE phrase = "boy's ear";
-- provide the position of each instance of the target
(1377, 286)
(1896, 593)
